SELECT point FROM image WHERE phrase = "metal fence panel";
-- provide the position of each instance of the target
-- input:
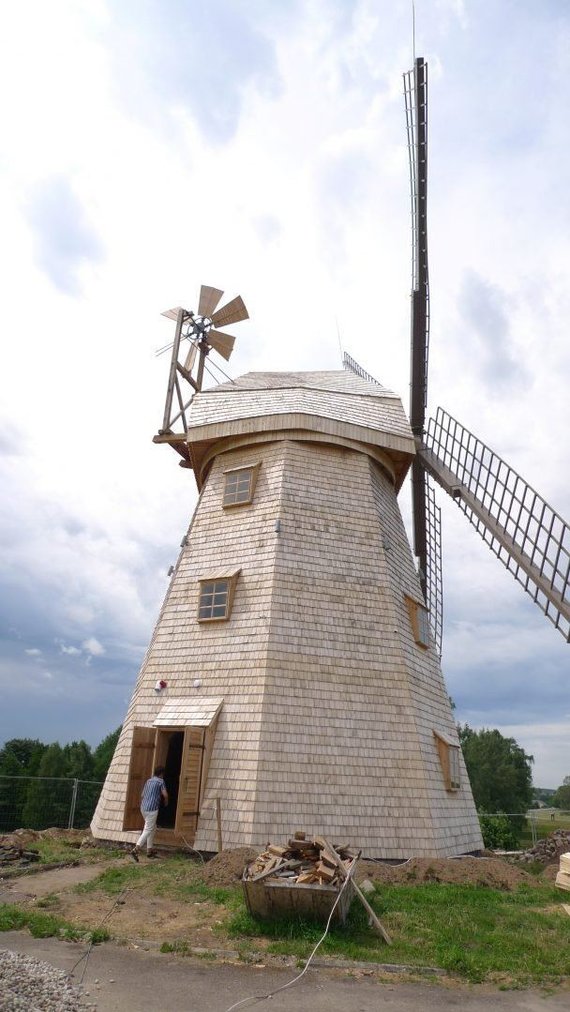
(45, 802)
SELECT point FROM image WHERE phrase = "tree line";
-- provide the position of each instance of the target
(26, 799)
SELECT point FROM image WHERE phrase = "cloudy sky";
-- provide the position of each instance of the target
(148, 146)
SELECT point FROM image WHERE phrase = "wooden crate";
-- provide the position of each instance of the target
(271, 898)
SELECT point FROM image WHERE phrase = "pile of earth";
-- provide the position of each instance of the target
(548, 851)
(493, 872)
(226, 869)
(23, 837)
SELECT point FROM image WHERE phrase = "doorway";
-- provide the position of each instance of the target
(185, 754)
(173, 746)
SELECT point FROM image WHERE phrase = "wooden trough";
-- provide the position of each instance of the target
(311, 878)
(305, 878)
(274, 898)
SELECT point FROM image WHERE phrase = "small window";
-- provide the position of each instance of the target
(449, 759)
(216, 597)
(419, 617)
(239, 485)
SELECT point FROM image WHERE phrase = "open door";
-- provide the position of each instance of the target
(142, 754)
(190, 783)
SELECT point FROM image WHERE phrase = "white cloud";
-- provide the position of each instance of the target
(93, 647)
(34, 652)
(292, 171)
(71, 650)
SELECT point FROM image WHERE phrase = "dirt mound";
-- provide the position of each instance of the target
(226, 868)
(492, 872)
(23, 837)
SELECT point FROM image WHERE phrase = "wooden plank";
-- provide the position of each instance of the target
(380, 929)
(273, 869)
(140, 769)
(189, 790)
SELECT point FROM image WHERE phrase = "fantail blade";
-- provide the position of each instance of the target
(223, 343)
(232, 313)
(172, 314)
(191, 356)
(209, 298)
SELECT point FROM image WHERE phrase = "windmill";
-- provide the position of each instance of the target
(292, 680)
(200, 334)
(529, 537)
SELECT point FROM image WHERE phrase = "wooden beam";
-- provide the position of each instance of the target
(380, 929)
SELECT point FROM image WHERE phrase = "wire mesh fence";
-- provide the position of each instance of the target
(46, 802)
(521, 830)
(64, 803)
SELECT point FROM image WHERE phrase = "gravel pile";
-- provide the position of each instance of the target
(28, 985)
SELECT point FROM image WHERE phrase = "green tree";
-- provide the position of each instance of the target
(103, 754)
(561, 799)
(26, 751)
(13, 793)
(49, 798)
(499, 770)
(79, 766)
(19, 759)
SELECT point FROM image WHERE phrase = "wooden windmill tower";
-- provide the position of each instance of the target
(293, 677)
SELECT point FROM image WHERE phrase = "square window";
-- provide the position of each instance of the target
(239, 485)
(216, 597)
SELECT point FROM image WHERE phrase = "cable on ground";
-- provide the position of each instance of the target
(120, 898)
(262, 997)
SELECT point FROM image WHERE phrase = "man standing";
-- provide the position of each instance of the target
(152, 793)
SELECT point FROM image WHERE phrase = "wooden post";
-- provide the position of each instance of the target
(219, 822)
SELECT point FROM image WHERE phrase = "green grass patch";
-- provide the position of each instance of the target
(480, 934)
(175, 878)
(43, 925)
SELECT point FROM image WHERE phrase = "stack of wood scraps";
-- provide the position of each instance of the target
(303, 862)
(305, 876)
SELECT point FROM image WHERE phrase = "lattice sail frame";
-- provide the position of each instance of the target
(432, 577)
(434, 568)
(529, 537)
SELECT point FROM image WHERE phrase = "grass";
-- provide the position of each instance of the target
(477, 933)
(176, 878)
(510, 939)
(42, 925)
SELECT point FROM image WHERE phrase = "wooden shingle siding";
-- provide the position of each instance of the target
(329, 707)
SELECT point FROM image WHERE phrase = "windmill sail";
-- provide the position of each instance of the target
(434, 568)
(415, 92)
(517, 524)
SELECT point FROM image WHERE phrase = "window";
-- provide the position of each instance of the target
(239, 485)
(419, 617)
(216, 596)
(449, 759)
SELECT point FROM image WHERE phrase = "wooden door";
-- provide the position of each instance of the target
(140, 769)
(188, 808)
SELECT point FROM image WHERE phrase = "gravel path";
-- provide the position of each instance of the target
(28, 985)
